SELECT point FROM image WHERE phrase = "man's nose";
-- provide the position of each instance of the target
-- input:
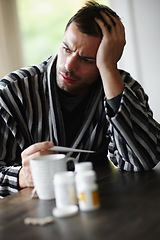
(71, 63)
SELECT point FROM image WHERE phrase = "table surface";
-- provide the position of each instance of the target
(129, 210)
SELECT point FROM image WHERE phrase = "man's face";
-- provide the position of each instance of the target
(76, 62)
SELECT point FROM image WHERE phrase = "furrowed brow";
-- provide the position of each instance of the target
(65, 44)
(83, 57)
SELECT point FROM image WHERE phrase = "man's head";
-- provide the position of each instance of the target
(85, 18)
(76, 62)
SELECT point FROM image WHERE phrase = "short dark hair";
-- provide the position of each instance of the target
(85, 18)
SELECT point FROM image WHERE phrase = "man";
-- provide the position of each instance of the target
(77, 99)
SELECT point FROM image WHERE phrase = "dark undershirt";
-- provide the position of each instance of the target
(74, 109)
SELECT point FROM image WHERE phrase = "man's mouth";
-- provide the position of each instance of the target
(67, 79)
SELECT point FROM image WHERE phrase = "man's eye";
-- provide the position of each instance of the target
(66, 49)
(86, 60)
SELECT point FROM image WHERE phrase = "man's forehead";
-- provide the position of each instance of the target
(74, 38)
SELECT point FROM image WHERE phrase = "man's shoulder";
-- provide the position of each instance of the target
(124, 74)
(128, 79)
(28, 72)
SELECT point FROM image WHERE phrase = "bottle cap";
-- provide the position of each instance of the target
(86, 176)
(61, 177)
(67, 211)
(83, 166)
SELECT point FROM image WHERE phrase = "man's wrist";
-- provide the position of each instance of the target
(112, 83)
(21, 179)
(114, 103)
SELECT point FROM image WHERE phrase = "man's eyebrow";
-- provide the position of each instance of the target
(84, 57)
(65, 44)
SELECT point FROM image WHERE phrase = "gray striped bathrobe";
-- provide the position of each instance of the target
(30, 112)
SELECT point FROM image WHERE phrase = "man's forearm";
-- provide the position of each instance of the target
(9, 180)
(112, 83)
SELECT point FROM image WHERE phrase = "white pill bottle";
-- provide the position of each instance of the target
(83, 166)
(65, 189)
(87, 190)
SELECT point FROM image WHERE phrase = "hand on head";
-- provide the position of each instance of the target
(113, 41)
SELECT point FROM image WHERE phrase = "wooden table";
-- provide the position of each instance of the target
(130, 209)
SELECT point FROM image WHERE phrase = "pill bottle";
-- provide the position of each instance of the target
(87, 191)
(65, 189)
(80, 168)
(83, 166)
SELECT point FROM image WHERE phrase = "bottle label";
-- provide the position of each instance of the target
(95, 198)
(65, 195)
(89, 200)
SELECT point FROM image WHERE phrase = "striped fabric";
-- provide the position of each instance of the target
(30, 112)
